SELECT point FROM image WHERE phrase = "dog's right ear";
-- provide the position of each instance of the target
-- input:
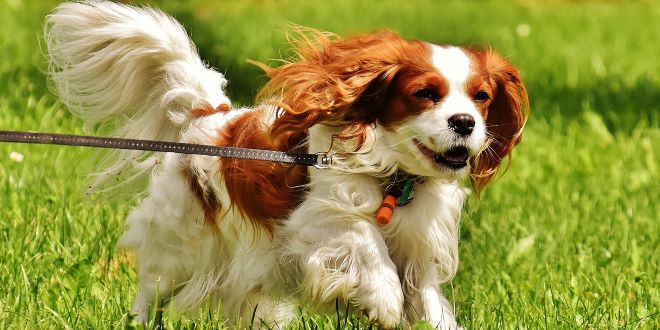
(328, 77)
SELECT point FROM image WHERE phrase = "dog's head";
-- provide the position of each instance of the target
(446, 111)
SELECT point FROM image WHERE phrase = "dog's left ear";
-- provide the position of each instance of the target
(505, 119)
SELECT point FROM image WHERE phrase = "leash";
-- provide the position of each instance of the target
(400, 190)
(318, 160)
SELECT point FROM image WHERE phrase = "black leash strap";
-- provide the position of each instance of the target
(318, 160)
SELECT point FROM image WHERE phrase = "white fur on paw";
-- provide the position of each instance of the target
(141, 317)
(384, 302)
(141, 310)
(448, 323)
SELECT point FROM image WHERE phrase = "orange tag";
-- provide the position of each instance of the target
(384, 214)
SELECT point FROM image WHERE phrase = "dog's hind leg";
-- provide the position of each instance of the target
(166, 232)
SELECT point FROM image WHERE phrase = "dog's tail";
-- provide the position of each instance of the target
(111, 61)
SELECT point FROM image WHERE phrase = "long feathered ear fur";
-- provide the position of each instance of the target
(328, 77)
(505, 119)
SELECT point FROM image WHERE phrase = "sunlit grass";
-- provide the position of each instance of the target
(568, 238)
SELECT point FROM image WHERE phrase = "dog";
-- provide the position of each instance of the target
(257, 238)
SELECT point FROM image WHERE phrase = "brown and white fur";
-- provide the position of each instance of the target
(246, 235)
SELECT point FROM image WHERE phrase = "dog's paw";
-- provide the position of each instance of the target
(386, 316)
(446, 322)
(141, 318)
(425, 325)
(383, 302)
(140, 310)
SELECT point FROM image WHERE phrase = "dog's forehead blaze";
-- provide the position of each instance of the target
(453, 63)
(442, 69)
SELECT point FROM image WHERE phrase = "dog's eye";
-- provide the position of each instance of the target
(427, 94)
(481, 97)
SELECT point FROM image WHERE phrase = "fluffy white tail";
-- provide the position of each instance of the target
(110, 61)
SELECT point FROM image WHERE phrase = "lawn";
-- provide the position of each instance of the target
(568, 238)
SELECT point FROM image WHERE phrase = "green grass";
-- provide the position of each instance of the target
(568, 238)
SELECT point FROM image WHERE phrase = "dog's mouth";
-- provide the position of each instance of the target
(455, 158)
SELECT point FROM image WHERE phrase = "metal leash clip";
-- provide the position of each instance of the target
(323, 160)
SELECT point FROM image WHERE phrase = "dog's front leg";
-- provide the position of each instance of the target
(426, 302)
(347, 261)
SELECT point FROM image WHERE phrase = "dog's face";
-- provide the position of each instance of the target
(452, 109)
(434, 113)
(446, 111)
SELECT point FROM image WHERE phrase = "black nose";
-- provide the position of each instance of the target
(461, 123)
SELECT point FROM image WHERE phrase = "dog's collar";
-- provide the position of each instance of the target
(400, 190)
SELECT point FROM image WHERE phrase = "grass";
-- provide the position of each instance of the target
(567, 239)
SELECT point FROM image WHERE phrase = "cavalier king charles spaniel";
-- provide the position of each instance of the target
(257, 239)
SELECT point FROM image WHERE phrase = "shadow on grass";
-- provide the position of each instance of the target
(623, 107)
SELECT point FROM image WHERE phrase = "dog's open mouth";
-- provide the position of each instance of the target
(454, 158)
